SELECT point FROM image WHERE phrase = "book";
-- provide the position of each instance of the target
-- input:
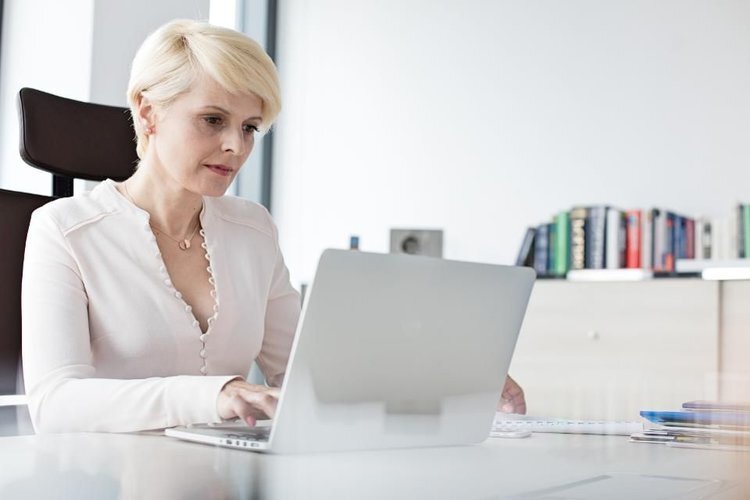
(658, 234)
(615, 239)
(700, 424)
(720, 418)
(705, 243)
(647, 239)
(551, 248)
(605, 237)
(690, 238)
(526, 252)
(633, 239)
(746, 228)
(703, 405)
(578, 238)
(595, 235)
(740, 232)
(698, 239)
(680, 238)
(669, 243)
(541, 249)
(562, 244)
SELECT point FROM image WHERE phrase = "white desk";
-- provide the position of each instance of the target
(101, 466)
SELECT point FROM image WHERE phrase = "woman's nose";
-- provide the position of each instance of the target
(234, 142)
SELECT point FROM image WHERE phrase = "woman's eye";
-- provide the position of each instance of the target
(212, 120)
(250, 129)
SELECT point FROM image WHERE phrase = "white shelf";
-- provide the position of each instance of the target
(610, 275)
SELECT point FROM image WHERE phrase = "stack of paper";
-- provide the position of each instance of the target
(700, 424)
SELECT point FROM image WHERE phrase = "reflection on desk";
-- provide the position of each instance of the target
(150, 466)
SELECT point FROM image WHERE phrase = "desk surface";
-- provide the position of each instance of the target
(127, 466)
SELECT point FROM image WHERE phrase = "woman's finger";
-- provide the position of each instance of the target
(262, 403)
(512, 399)
(243, 410)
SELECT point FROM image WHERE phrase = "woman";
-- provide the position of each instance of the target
(145, 302)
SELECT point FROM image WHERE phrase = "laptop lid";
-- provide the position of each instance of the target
(395, 350)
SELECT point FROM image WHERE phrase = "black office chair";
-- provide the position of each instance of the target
(70, 139)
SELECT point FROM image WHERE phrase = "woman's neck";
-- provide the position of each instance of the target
(172, 208)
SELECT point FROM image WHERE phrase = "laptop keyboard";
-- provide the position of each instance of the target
(251, 434)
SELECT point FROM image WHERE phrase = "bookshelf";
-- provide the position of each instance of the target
(608, 349)
(603, 243)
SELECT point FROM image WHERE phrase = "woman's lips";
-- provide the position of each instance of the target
(222, 170)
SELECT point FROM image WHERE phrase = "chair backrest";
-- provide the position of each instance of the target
(70, 139)
(74, 139)
(14, 223)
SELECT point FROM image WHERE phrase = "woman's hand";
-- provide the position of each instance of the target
(249, 402)
(512, 399)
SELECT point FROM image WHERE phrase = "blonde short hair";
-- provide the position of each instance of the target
(174, 56)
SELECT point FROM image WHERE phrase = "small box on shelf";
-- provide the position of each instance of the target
(716, 269)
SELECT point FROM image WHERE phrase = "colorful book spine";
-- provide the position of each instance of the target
(633, 239)
(615, 241)
(596, 237)
(658, 232)
(684, 238)
(680, 239)
(526, 252)
(669, 243)
(562, 244)
(551, 248)
(654, 240)
(741, 248)
(622, 241)
(647, 240)
(706, 249)
(578, 238)
(541, 249)
(690, 235)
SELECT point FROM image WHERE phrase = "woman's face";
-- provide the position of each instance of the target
(203, 138)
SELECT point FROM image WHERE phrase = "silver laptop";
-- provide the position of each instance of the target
(392, 350)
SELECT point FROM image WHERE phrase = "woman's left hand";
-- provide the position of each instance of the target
(512, 399)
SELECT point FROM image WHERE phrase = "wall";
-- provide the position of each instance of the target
(79, 49)
(482, 117)
(119, 29)
(45, 45)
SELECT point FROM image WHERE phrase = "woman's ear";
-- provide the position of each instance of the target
(146, 114)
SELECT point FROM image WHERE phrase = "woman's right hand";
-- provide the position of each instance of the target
(249, 402)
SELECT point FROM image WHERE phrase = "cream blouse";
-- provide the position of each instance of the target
(108, 342)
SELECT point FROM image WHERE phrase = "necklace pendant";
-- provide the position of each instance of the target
(184, 244)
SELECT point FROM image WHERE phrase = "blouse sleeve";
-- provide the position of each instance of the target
(63, 391)
(282, 314)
